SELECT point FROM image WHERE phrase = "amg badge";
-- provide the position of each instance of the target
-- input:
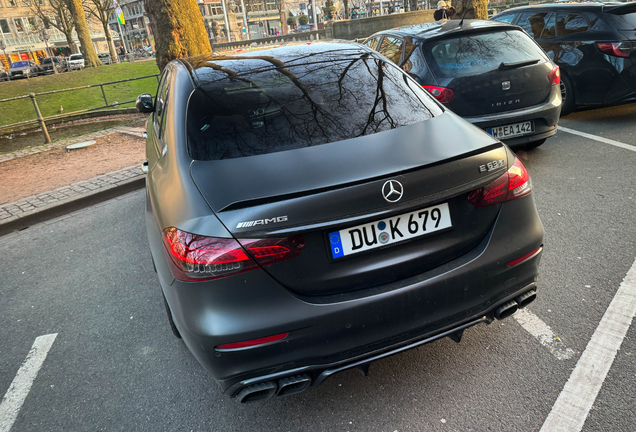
(262, 222)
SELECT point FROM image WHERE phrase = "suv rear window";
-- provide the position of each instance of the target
(480, 53)
(268, 109)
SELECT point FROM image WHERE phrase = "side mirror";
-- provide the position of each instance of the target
(144, 103)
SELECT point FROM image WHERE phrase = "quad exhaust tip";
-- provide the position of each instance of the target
(292, 385)
(526, 298)
(506, 309)
(285, 387)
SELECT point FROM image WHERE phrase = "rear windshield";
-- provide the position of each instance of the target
(20, 64)
(480, 53)
(625, 21)
(76, 57)
(266, 109)
(47, 61)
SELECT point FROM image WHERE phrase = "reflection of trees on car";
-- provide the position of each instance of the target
(298, 103)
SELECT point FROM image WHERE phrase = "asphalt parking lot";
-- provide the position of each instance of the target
(114, 365)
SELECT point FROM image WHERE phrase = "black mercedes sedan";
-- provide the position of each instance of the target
(491, 74)
(594, 44)
(310, 209)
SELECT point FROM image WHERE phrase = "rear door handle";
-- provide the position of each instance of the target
(144, 166)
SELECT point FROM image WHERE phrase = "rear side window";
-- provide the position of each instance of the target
(481, 53)
(267, 110)
(533, 23)
(391, 48)
(373, 43)
(504, 18)
(571, 23)
(625, 21)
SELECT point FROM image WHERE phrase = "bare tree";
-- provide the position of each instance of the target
(57, 15)
(472, 8)
(101, 9)
(178, 28)
(84, 36)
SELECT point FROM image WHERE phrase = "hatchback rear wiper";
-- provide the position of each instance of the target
(504, 65)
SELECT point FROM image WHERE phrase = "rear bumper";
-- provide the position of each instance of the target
(545, 117)
(333, 333)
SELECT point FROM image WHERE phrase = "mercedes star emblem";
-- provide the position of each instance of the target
(392, 191)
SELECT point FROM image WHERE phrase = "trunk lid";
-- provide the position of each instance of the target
(318, 190)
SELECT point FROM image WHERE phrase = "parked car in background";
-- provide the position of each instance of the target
(303, 28)
(49, 63)
(4, 76)
(76, 61)
(367, 218)
(105, 58)
(594, 44)
(491, 74)
(24, 69)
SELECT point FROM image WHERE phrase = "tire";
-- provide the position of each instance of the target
(567, 94)
(173, 327)
(534, 144)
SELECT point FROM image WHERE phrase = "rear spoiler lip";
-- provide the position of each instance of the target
(621, 9)
(236, 205)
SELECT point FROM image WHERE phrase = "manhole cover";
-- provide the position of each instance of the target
(80, 145)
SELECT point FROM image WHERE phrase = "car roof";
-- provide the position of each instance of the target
(567, 5)
(438, 29)
(208, 68)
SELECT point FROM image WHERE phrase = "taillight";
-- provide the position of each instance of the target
(442, 94)
(554, 76)
(618, 49)
(515, 183)
(194, 257)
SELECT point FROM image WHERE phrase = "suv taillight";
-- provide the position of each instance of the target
(442, 94)
(554, 76)
(194, 257)
(618, 49)
(515, 183)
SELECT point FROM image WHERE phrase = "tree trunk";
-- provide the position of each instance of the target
(346, 9)
(474, 9)
(178, 29)
(109, 41)
(81, 27)
(71, 42)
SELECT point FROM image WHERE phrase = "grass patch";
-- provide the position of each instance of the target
(22, 110)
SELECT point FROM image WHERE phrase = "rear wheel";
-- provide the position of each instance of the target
(567, 95)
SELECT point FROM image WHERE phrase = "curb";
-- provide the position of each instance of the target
(50, 211)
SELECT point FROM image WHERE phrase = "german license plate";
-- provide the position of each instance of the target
(384, 232)
(512, 130)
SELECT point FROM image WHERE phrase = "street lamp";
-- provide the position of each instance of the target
(3, 47)
(44, 36)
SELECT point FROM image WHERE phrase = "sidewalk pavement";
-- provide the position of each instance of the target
(38, 208)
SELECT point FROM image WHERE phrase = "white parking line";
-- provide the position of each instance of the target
(578, 395)
(598, 138)
(21, 385)
(543, 333)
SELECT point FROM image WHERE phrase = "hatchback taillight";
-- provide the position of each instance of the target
(618, 49)
(554, 76)
(442, 94)
(515, 183)
(194, 257)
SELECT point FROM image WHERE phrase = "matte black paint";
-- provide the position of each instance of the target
(467, 279)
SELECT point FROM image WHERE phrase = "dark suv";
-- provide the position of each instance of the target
(491, 74)
(594, 44)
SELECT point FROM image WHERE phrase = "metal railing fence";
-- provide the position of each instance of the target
(42, 120)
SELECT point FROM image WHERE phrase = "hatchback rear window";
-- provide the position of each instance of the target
(626, 21)
(480, 53)
(333, 97)
(76, 57)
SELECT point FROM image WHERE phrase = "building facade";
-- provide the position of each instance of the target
(263, 19)
(136, 30)
(20, 32)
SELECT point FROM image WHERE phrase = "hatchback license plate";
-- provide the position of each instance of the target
(395, 229)
(512, 130)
